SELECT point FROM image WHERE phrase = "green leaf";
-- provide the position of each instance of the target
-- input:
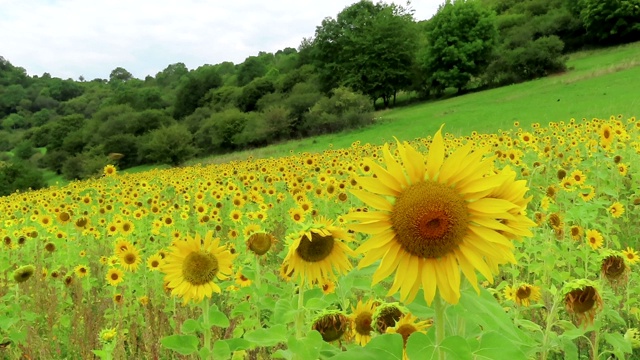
(494, 345)
(306, 348)
(204, 353)
(221, 350)
(283, 312)
(387, 346)
(218, 318)
(268, 337)
(422, 346)
(282, 354)
(241, 309)
(455, 346)
(182, 344)
(191, 326)
(237, 344)
(100, 353)
(316, 304)
(619, 344)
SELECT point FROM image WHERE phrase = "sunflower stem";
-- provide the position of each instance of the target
(257, 283)
(439, 319)
(300, 317)
(206, 326)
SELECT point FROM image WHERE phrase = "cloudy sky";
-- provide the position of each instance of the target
(69, 38)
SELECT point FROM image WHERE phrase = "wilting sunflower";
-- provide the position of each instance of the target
(407, 325)
(524, 294)
(439, 218)
(260, 242)
(362, 319)
(630, 255)
(594, 239)
(582, 299)
(331, 324)
(23, 273)
(386, 315)
(633, 336)
(114, 276)
(614, 269)
(317, 251)
(193, 265)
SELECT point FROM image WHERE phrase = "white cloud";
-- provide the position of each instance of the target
(69, 38)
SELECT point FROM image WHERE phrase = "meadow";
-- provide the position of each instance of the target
(511, 237)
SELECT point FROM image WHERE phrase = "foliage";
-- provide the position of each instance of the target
(19, 175)
(343, 110)
(611, 21)
(167, 145)
(461, 40)
(193, 88)
(368, 47)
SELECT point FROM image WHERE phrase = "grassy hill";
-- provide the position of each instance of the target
(599, 83)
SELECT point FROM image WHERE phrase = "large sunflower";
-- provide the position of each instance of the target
(193, 264)
(318, 250)
(437, 219)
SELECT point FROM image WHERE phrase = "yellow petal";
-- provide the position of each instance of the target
(384, 176)
(393, 167)
(370, 199)
(376, 186)
(371, 227)
(429, 283)
(376, 241)
(436, 154)
(452, 164)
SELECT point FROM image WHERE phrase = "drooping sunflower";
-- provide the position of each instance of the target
(582, 299)
(317, 251)
(362, 319)
(614, 269)
(194, 264)
(23, 273)
(630, 255)
(386, 315)
(439, 218)
(332, 325)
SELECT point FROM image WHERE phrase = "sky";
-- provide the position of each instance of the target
(89, 38)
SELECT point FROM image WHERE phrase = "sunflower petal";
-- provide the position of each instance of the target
(436, 154)
(376, 201)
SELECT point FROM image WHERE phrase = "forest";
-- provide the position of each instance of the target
(355, 63)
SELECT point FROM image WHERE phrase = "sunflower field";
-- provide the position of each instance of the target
(521, 244)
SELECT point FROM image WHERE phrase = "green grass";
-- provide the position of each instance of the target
(599, 83)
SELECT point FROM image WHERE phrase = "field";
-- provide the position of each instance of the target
(511, 233)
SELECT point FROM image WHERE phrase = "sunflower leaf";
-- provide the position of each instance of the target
(218, 318)
(268, 337)
(182, 344)
(422, 346)
(221, 350)
(191, 326)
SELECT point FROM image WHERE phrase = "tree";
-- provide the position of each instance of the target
(19, 175)
(253, 92)
(250, 69)
(368, 47)
(462, 38)
(168, 145)
(119, 75)
(172, 75)
(194, 87)
(611, 21)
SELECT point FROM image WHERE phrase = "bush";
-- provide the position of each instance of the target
(343, 110)
(19, 175)
(167, 145)
(218, 132)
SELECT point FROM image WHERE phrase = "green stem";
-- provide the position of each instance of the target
(257, 276)
(300, 317)
(439, 320)
(550, 322)
(207, 326)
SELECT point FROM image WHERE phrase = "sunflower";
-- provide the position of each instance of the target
(242, 280)
(438, 219)
(260, 242)
(630, 255)
(582, 299)
(327, 286)
(594, 239)
(524, 294)
(362, 319)
(587, 192)
(332, 325)
(317, 251)
(616, 209)
(623, 169)
(407, 325)
(193, 264)
(122, 246)
(114, 276)
(81, 271)
(109, 170)
(130, 259)
(386, 315)
(614, 269)
(127, 227)
(578, 177)
(576, 232)
(297, 215)
(23, 273)
(154, 262)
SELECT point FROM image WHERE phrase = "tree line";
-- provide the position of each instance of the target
(361, 58)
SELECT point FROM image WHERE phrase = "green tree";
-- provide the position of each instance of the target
(611, 21)
(248, 99)
(19, 175)
(217, 133)
(368, 47)
(462, 38)
(193, 89)
(119, 75)
(172, 75)
(250, 69)
(168, 145)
